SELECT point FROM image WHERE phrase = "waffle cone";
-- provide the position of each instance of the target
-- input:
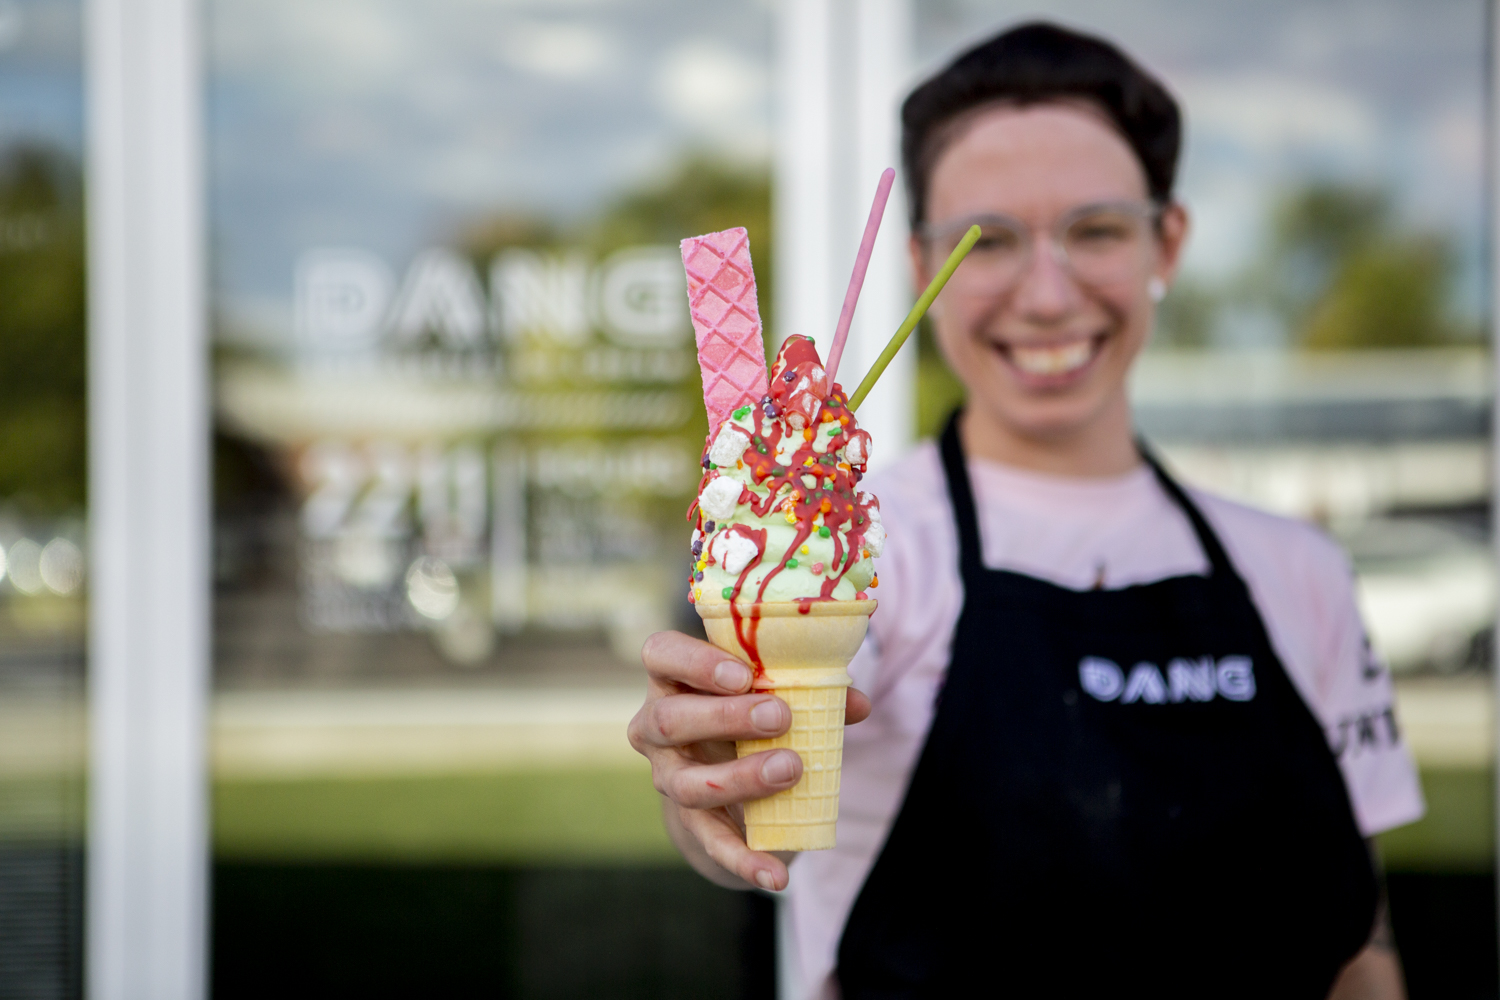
(804, 650)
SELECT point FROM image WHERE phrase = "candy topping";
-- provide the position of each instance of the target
(811, 482)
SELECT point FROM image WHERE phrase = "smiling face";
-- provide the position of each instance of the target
(1044, 356)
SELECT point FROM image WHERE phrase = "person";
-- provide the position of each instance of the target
(1103, 719)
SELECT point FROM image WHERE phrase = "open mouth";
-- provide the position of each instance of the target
(1052, 361)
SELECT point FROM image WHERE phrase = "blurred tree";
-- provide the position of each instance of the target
(1343, 274)
(42, 331)
(1338, 271)
(703, 195)
(1390, 293)
(1186, 317)
(938, 390)
(496, 232)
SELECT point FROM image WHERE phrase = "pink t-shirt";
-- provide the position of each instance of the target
(1076, 533)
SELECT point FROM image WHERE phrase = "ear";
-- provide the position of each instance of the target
(1172, 237)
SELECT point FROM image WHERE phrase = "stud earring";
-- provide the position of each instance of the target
(1157, 289)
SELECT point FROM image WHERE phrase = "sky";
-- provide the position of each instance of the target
(389, 124)
(1381, 92)
(393, 124)
(41, 77)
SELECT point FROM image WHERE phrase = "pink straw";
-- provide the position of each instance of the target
(861, 265)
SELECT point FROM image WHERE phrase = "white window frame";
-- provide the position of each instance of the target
(147, 873)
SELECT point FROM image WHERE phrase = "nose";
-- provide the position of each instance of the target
(1045, 290)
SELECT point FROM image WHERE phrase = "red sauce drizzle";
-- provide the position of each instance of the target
(746, 635)
(833, 494)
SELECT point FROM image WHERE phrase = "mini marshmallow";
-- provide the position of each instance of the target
(720, 497)
(857, 451)
(735, 551)
(728, 446)
(875, 533)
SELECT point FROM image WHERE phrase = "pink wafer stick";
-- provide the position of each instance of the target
(726, 321)
(861, 265)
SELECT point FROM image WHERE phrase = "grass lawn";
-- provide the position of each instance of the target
(612, 816)
(1458, 832)
(547, 817)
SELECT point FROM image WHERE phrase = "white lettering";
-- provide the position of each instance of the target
(1236, 678)
(1145, 684)
(1191, 679)
(341, 296)
(441, 296)
(334, 474)
(642, 296)
(452, 497)
(1187, 679)
(1101, 678)
(541, 296)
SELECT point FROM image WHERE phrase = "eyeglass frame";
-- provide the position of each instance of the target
(1147, 211)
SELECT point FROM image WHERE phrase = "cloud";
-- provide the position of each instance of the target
(704, 84)
(1227, 210)
(387, 124)
(331, 47)
(1279, 113)
(559, 51)
(12, 24)
(461, 173)
(1456, 135)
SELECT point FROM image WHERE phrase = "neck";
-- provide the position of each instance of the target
(1102, 447)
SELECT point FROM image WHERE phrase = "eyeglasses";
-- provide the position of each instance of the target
(1102, 244)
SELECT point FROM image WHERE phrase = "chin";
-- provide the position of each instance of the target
(1046, 418)
(1050, 423)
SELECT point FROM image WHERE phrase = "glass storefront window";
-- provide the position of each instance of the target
(449, 317)
(458, 420)
(42, 499)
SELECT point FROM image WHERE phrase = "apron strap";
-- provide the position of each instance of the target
(1218, 560)
(961, 495)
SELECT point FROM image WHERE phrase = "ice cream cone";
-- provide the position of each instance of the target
(803, 649)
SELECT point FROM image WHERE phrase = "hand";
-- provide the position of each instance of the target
(698, 702)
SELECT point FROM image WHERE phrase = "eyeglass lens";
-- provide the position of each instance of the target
(1103, 246)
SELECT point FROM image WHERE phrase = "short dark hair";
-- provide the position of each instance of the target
(1033, 64)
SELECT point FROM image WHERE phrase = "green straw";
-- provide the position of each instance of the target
(915, 316)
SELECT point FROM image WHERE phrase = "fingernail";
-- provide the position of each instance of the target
(765, 881)
(778, 769)
(732, 676)
(766, 716)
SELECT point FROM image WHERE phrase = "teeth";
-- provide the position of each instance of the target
(1052, 360)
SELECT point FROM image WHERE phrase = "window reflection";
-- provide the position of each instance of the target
(42, 499)
(458, 420)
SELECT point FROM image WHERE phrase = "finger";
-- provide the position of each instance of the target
(725, 844)
(706, 786)
(856, 707)
(680, 719)
(672, 656)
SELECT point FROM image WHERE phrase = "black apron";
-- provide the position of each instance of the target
(1121, 791)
